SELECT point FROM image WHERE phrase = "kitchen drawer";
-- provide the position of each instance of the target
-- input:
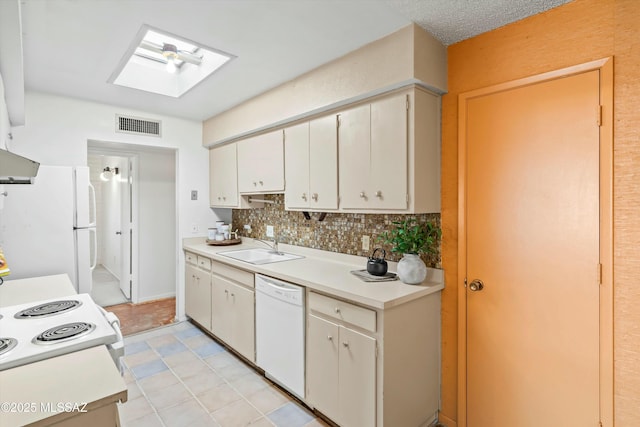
(204, 263)
(341, 310)
(244, 277)
(191, 258)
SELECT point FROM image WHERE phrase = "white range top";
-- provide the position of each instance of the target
(83, 376)
(326, 272)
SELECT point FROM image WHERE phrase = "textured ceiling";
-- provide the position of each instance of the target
(71, 47)
(451, 21)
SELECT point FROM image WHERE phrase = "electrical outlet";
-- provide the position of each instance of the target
(194, 228)
(366, 241)
(270, 232)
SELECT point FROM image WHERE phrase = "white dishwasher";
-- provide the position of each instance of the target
(280, 332)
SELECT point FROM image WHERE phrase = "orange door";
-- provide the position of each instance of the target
(532, 238)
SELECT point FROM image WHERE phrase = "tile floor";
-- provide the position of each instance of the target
(178, 376)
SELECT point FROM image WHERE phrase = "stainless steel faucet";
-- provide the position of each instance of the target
(273, 246)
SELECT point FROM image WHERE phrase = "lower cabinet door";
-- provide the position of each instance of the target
(198, 296)
(220, 308)
(242, 304)
(357, 379)
(322, 365)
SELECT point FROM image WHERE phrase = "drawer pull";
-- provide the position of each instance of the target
(329, 337)
(345, 343)
(338, 310)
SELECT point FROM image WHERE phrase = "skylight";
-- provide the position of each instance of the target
(166, 64)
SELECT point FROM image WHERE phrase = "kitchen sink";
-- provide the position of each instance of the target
(259, 256)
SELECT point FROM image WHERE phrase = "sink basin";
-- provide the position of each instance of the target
(259, 256)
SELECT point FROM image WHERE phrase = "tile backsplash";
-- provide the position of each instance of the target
(339, 232)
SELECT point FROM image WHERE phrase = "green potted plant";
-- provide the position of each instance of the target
(411, 238)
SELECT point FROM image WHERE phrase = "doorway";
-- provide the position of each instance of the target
(535, 322)
(112, 178)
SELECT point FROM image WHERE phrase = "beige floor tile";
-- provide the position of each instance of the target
(149, 420)
(248, 384)
(234, 372)
(134, 408)
(218, 397)
(186, 414)
(133, 391)
(140, 358)
(128, 377)
(168, 396)
(262, 422)
(157, 381)
(199, 384)
(189, 369)
(222, 360)
(162, 340)
(236, 414)
(180, 358)
(268, 399)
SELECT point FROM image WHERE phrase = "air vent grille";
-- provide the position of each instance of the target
(138, 126)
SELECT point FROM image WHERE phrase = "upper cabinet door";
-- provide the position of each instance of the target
(261, 164)
(296, 166)
(354, 137)
(388, 179)
(223, 176)
(323, 163)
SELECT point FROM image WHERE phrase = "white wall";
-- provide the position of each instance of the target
(56, 132)
(156, 217)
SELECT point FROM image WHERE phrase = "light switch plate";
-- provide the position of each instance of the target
(194, 194)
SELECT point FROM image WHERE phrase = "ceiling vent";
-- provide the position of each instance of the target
(138, 126)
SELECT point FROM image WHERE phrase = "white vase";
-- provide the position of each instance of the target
(411, 269)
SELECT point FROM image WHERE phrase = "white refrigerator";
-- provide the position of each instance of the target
(49, 227)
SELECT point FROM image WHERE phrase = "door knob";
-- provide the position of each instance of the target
(118, 232)
(476, 285)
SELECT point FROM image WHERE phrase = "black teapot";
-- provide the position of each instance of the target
(377, 266)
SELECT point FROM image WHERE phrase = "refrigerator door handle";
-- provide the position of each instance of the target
(93, 205)
(94, 262)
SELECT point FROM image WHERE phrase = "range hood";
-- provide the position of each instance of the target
(16, 169)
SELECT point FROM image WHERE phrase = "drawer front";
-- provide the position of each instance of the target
(191, 258)
(244, 277)
(341, 310)
(204, 263)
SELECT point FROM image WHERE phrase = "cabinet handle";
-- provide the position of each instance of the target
(260, 182)
(255, 183)
(337, 310)
(363, 195)
(314, 196)
(224, 198)
(379, 194)
(226, 291)
(233, 295)
(329, 337)
(345, 343)
(304, 196)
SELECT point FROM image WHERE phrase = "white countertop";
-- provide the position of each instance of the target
(21, 291)
(87, 376)
(326, 272)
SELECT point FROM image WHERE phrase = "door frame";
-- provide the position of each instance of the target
(605, 66)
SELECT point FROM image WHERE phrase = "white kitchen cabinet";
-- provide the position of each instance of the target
(198, 294)
(261, 163)
(311, 165)
(389, 154)
(223, 176)
(233, 309)
(341, 365)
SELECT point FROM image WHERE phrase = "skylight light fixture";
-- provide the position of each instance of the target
(166, 64)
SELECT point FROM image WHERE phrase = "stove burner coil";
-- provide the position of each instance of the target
(7, 344)
(66, 332)
(48, 309)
